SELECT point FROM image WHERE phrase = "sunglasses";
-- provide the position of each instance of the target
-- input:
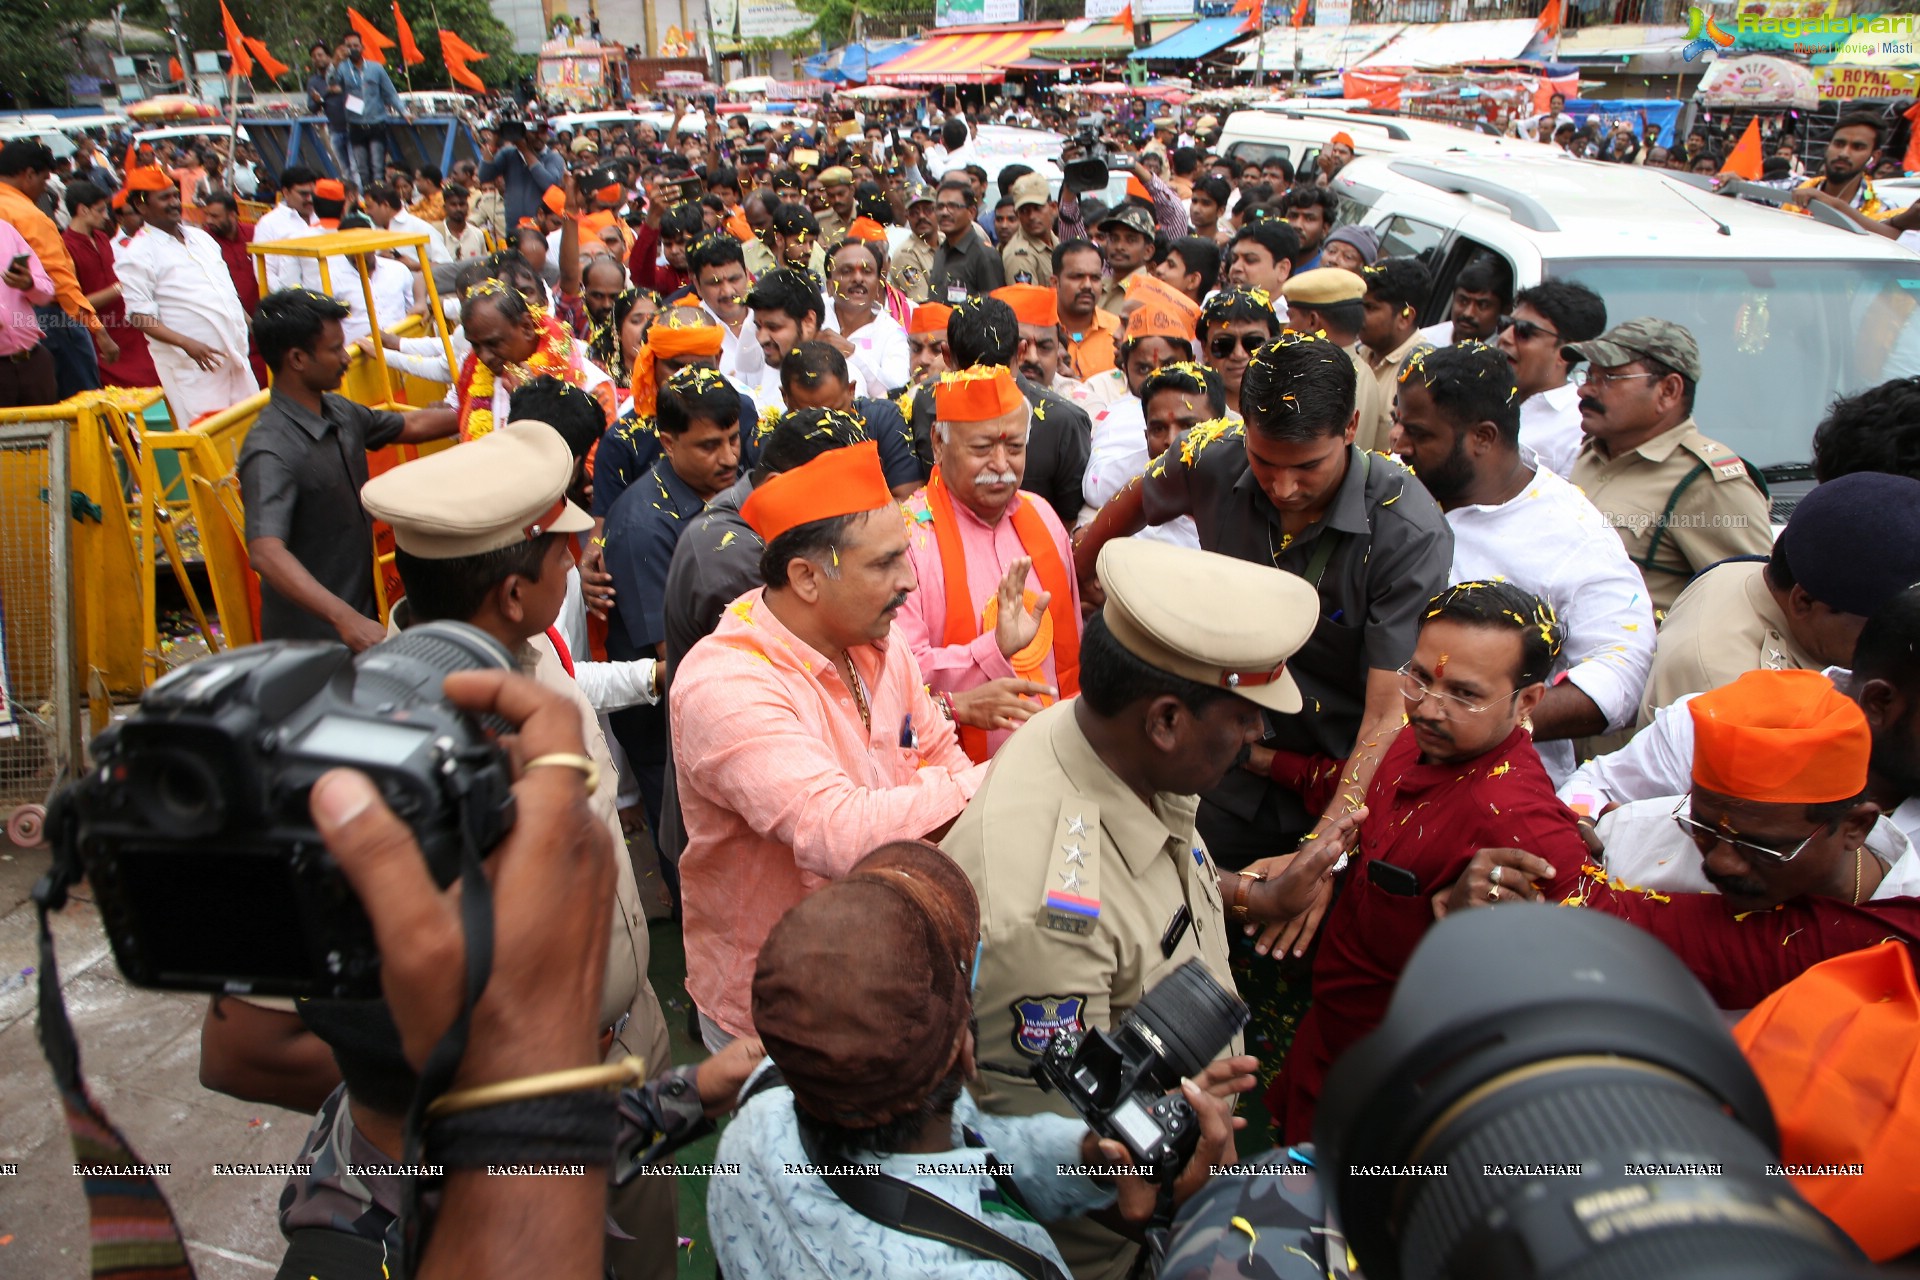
(1222, 344)
(1526, 330)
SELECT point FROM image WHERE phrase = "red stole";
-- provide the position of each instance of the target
(963, 620)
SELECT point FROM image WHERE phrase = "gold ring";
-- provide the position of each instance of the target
(568, 760)
(1493, 894)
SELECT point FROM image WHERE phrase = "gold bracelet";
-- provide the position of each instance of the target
(613, 1075)
(568, 760)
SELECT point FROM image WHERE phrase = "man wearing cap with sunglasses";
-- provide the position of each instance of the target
(1678, 500)
(1093, 884)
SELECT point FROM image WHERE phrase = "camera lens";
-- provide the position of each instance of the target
(1583, 1113)
(409, 669)
(1187, 1019)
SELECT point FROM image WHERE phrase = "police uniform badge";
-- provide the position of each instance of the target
(1023, 277)
(1070, 901)
(1037, 1018)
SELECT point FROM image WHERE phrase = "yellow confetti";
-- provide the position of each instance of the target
(1241, 1224)
(1503, 767)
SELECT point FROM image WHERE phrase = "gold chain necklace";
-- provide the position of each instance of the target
(866, 713)
(1857, 859)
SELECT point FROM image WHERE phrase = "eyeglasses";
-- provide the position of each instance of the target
(1705, 838)
(1526, 330)
(1416, 691)
(1222, 344)
(1597, 378)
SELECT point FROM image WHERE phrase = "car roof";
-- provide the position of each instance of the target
(1370, 132)
(1584, 209)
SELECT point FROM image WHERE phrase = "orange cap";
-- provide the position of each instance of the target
(1836, 1050)
(329, 189)
(866, 229)
(1138, 190)
(610, 194)
(1163, 311)
(738, 227)
(840, 482)
(979, 394)
(930, 317)
(1344, 138)
(148, 178)
(555, 199)
(1780, 737)
(1031, 303)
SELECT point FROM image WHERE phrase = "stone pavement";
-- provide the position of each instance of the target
(140, 1052)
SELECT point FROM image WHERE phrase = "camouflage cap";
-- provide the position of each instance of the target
(1131, 216)
(1642, 338)
(919, 193)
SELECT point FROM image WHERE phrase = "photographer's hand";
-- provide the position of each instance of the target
(1136, 1196)
(553, 876)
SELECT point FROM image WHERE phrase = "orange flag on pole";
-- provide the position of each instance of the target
(456, 53)
(236, 45)
(1300, 14)
(409, 51)
(372, 40)
(268, 63)
(1745, 159)
(1124, 18)
(1550, 18)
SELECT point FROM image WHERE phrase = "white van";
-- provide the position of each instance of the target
(439, 102)
(1789, 312)
(1297, 134)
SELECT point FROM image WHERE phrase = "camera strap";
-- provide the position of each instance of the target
(899, 1205)
(133, 1234)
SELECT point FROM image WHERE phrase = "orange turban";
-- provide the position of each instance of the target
(866, 229)
(1163, 311)
(1031, 303)
(147, 178)
(1343, 138)
(738, 227)
(329, 189)
(1137, 190)
(840, 482)
(979, 394)
(1780, 737)
(930, 317)
(1836, 1049)
(120, 198)
(669, 342)
(555, 199)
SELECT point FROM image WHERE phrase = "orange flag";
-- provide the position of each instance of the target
(1744, 159)
(1124, 18)
(268, 63)
(1300, 14)
(175, 72)
(372, 41)
(1550, 18)
(456, 53)
(409, 51)
(236, 45)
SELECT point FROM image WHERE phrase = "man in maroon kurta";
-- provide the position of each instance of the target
(233, 236)
(88, 241)
(1463, 774)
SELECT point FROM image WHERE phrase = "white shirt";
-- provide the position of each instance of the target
(1647, 850)
(184, 283)
(1440, 335)
(1550, 426)
(740, 352)
(411, 224)
(470, 243)
(282, 223)
(1119, 453)
(392, 299)
(426, 358)
(1551, 541)
(765, 392)
(881, 359)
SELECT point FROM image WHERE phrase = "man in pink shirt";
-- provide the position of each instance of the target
(996, 596)
(803, 736)
(26, 366)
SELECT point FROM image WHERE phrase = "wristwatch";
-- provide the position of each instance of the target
(1238, 907)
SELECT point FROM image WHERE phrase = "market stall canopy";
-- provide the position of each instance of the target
(1645, 50)
(877, 93)
(1449, 44)
(172, 106)
(963, 56)
(852, 62)
(1196, 42)
(1084, 40)
(1321, 48)
(1758, 81)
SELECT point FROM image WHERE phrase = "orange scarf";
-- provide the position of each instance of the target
(963, 624)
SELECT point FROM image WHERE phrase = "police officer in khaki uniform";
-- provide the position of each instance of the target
(1332, 301)
(836, 184)
(911, 265)
(1138, 220)
(1805, 607)
(1028, 257)
(1678, 500)
(500, 491)
(1080, 842)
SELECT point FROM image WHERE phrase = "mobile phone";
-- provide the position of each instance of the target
(1398, 881)
(19, 263)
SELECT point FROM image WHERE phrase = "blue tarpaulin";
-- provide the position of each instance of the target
(1644, 111)
(849, 63)
(1194, 42)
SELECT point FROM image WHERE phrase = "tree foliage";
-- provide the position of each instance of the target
(40, 47)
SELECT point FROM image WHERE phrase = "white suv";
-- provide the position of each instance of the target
(1789, 312)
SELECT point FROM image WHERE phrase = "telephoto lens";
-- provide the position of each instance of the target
(1552, 1094)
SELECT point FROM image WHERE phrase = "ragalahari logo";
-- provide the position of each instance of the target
(1703, 34)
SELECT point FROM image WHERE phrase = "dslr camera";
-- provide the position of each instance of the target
(193, 829)
(1119, 1081)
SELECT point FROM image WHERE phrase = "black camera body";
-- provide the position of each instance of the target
(193, 828)
(1118, 1081)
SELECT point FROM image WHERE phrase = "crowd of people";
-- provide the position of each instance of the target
(989, 599)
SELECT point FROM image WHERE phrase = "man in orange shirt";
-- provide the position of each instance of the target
(25, 167)
(803, 734)
(1090, 333)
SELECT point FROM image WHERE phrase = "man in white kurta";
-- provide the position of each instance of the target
(178, 290)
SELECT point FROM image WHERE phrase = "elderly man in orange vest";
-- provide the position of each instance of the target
(997, 598)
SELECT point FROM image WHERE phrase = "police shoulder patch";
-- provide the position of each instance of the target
(1036, 1018)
